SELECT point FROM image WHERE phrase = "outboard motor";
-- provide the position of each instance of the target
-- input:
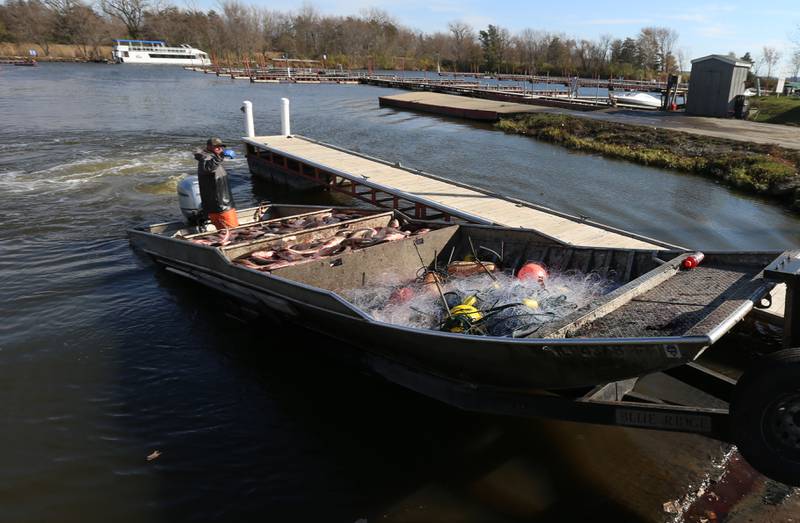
(189, 200)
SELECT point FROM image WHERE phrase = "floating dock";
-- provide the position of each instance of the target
(301, 161)
(459, 106)
(497, 93)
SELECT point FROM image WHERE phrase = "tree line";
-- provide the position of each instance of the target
(237, 31)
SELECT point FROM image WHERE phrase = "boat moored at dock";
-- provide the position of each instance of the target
(559, 355)
(653, 316)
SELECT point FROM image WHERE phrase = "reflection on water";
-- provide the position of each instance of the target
(107, 358)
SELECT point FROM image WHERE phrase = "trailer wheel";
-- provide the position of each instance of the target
(765, 416)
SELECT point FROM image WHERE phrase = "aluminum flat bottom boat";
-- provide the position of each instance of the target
(656, 320)
(658, 317)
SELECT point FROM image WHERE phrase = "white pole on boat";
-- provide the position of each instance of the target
(249, 128)
(285, 128)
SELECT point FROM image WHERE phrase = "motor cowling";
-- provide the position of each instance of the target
(189, 199)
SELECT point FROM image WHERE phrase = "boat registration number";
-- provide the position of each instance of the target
(663, 420)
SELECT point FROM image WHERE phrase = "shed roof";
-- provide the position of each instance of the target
(724, 58)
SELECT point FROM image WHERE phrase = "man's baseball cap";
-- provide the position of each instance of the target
(215, 142)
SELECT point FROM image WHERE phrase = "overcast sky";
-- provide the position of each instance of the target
(704, 28)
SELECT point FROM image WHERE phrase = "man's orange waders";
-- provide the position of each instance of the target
(224, 220)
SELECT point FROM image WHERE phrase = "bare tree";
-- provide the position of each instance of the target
(63, 22)
(666, 39)
(656, 46)
(306, 25)
(648, 49)
(240, 24)
(462, 37)
(794, 62)
(89, 30)
(31, 21)
(770, 56)
(604, 46)
(129, 12)
(531, 48)
(683, 62)
(584, 53)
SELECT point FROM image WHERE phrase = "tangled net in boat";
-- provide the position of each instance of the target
(502, 305)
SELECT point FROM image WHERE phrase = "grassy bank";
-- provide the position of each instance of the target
(759, 169)
(776, 109)
(58, 52)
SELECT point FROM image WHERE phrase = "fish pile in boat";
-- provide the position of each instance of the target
(288, 251)
(272, 228)
(465, 298)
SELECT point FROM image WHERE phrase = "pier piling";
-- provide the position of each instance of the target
(285, 126)
(249, 127)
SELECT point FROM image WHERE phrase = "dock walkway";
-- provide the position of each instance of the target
(371, 178)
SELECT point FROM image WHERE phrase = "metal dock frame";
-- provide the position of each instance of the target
(418, 207)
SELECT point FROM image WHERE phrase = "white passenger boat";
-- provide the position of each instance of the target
(157, 52)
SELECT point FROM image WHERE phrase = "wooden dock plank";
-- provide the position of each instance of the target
(441, 194)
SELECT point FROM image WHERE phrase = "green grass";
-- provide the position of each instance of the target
(759, 169)
(776, 109)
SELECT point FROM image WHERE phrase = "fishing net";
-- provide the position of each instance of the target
(500, 306)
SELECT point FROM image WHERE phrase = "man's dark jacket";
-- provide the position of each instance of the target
(215, 190)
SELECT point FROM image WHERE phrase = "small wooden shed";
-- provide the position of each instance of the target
(715, 82)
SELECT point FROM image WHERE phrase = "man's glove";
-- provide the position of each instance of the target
(229, 153)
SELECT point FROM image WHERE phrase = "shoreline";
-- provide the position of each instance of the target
(54, 59)
(763, 170)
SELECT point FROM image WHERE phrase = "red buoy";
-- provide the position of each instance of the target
(532, 271)
(693, 260)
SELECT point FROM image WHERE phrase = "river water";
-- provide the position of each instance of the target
(104, 359)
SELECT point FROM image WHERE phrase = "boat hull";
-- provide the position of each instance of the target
(645, 324)
(638, 100)
(499, 362)
(161, 61)
(496, 361)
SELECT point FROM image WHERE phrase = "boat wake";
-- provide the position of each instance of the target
(75, 174)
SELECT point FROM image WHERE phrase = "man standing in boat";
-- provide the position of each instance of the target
(215, 190)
